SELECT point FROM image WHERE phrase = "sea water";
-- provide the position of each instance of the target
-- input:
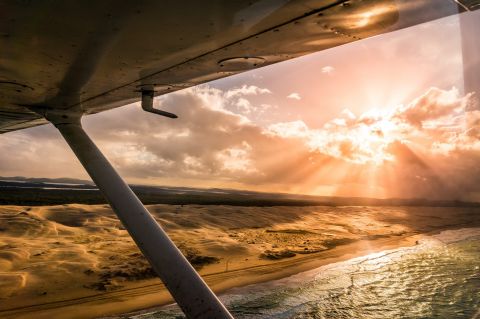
(437, 278)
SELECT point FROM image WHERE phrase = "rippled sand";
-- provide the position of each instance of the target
(77, 261)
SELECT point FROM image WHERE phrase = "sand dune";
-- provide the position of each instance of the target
(56, 259)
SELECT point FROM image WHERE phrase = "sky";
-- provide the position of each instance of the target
(383, 117)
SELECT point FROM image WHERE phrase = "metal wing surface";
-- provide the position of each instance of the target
(98, 55)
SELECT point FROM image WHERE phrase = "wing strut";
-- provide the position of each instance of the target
(185, 285)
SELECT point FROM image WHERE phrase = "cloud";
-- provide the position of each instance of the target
(244, 105)
(234, 100)
(428, 148)
(246, 90)
(294, 96)
(433, 105)
(296, 129)
(237, 159)
(472, 123)
(328, 69)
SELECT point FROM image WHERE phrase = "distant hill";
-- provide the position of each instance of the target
(46, 191)
(62, 180)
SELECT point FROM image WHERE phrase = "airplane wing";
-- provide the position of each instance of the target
(98, 55)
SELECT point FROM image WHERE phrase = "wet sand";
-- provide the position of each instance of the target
(77, 261)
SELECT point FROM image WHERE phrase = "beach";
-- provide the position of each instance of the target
(77, 261)
(436, 278)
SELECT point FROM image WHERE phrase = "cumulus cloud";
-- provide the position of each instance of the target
(472, 124)
(294, 96)
(328, 69)
(235, 100)
(244, 105)
(433, 105)
(246, 90)
(296, 129)
(428, 148)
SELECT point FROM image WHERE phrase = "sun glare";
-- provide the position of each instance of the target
(365, 18)
(362, 140)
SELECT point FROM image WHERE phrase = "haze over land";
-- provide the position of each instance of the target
(44, 191)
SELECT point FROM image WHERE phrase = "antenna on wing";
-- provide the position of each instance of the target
(147, 104)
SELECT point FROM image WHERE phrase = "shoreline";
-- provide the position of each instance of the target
(150, 294)
(77, 261)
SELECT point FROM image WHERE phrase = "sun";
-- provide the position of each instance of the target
(362, 140)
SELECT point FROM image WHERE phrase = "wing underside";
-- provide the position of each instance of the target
(97, 55)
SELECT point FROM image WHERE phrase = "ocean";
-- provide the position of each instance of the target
(437, 278)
